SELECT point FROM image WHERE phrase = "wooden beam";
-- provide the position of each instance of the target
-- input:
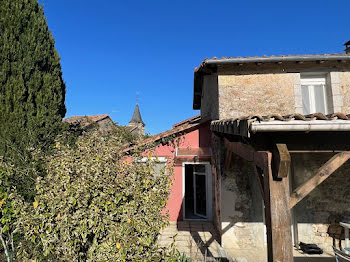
(228, 159)
(324, 172)
(246, 152)
(281, 161)
(278, 216)
(260, 179)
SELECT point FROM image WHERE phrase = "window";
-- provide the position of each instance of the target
(160, 164)
(197, 191)
(314, 94)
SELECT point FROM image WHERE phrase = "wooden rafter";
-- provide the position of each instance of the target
(246, 152)
(323, 173)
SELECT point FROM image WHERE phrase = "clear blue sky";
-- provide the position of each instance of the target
(110, 50)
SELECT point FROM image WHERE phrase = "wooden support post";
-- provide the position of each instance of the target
(260, 179)
(228, 159)
(324, 172)
(278, 216)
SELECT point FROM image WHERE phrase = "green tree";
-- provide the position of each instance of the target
(32, 94)
(32, 91)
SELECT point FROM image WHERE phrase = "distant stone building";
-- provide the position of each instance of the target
(137, 126)
(104, 122)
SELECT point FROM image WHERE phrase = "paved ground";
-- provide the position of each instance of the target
(199, 241)
(196, 239)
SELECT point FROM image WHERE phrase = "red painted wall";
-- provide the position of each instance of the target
(198, 138)
(195, 139)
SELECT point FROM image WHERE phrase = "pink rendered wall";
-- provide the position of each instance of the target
(174, 206)
(195, 139)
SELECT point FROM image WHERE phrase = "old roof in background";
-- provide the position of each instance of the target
(189, 120)
(85, 121)
(178, 129)
(136, 117)
(281, 62)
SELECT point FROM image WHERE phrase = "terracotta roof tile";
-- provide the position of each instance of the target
(85, 120)
(178, 129)
(243, 123)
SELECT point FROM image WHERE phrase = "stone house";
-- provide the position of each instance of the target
(275, 121)
(104, 122)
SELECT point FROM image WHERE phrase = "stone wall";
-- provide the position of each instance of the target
(344, 88)
(231, 96)
(329, 202)
(210, 100)
(242, 217)
(256, 94)
(105, 124)
(241, 207)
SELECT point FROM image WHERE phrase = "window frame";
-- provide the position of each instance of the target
(313, 81)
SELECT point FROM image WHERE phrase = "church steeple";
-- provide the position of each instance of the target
(136, 117)
(136, 123)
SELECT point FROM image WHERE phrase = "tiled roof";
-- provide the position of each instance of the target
(248, 59)
(183, 127)
(192, 119)
(242, 126)
(85, 120)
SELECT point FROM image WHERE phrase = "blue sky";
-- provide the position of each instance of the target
(112, 50)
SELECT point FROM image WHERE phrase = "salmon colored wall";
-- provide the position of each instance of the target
(195, 139)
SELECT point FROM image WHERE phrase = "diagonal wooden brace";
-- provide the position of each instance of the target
(324, 172)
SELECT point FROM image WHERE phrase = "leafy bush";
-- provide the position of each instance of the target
(94, 206)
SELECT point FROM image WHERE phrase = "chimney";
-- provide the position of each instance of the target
(347, 47)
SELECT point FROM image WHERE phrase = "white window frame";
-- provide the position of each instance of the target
(160, 159)
(311, 81)
(209, 190)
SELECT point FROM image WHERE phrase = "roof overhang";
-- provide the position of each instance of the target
(318, 131)
(247, 126)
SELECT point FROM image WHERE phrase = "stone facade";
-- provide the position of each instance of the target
(344, 90)
(327, 203)
(255, 94)
(236, 95)
(210, 98)
(106, 124)
(242, 211)
(270, 91)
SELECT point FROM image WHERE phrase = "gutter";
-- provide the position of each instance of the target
(301, 58)
(300, 126)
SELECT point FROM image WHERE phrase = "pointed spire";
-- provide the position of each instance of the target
(136, 117)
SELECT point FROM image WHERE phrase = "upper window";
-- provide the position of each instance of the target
(314, 94)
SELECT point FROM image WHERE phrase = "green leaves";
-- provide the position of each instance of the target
(94, 206)
(32, 91)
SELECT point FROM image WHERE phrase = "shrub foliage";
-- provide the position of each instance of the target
(93, 205)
